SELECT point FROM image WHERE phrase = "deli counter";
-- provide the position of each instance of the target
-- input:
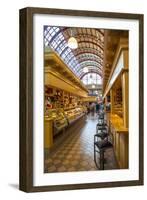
(58, 120)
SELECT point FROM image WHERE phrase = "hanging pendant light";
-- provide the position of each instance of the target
(72, 42)
(85, 69)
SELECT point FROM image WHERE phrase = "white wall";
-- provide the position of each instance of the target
(9, 86)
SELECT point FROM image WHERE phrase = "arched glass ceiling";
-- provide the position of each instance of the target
(89, 52)
(90, 69)
(89, 64)
(86, 55)
(91, 78)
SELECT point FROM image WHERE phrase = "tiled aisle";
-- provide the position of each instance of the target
(76, 152)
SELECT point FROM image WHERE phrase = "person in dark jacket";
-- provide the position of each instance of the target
(97, 107)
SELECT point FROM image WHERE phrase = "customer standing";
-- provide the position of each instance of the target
(97, 107)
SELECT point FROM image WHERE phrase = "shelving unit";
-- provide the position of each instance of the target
(118, 109)
(55, 98)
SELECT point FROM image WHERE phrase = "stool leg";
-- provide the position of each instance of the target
(95, 157)
(102, 160)
(94, 154)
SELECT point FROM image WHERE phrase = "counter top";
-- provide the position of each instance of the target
(48, 118)
(117, 123)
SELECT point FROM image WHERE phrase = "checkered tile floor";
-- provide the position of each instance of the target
(76, 152)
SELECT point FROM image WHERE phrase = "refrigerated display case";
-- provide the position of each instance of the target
(74, 114)
(59, 120)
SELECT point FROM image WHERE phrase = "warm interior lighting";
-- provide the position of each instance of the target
(72, 43)
(93, 86)
(85, 69)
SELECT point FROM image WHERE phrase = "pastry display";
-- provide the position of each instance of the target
(62, 108)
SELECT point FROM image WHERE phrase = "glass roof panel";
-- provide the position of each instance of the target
(90, 68)
(90, 47)
(92, 78)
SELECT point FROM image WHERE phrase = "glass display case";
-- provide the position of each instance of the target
(59, 120)
(74, 114)
(62, 118)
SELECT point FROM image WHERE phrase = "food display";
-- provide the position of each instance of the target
(74, 114)
(83, 108)
(59, 120)
(53, 98)
(62, 118)
(52, 113)
(62, 108)
(56, 98)
(60, 123)
(70, 116)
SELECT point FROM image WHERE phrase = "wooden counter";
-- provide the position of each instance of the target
(120, 139)
(117, 123)
(48, 132)
(50, 140)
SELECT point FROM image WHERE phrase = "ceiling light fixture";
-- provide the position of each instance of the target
(93, 86)
(85, 69)
(72, 42)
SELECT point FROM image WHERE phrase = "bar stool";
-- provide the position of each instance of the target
(101, 132)
(101, 118)
(101, 126)
(100, 147)
(101, 143)
(100, 135)
(101, 115)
